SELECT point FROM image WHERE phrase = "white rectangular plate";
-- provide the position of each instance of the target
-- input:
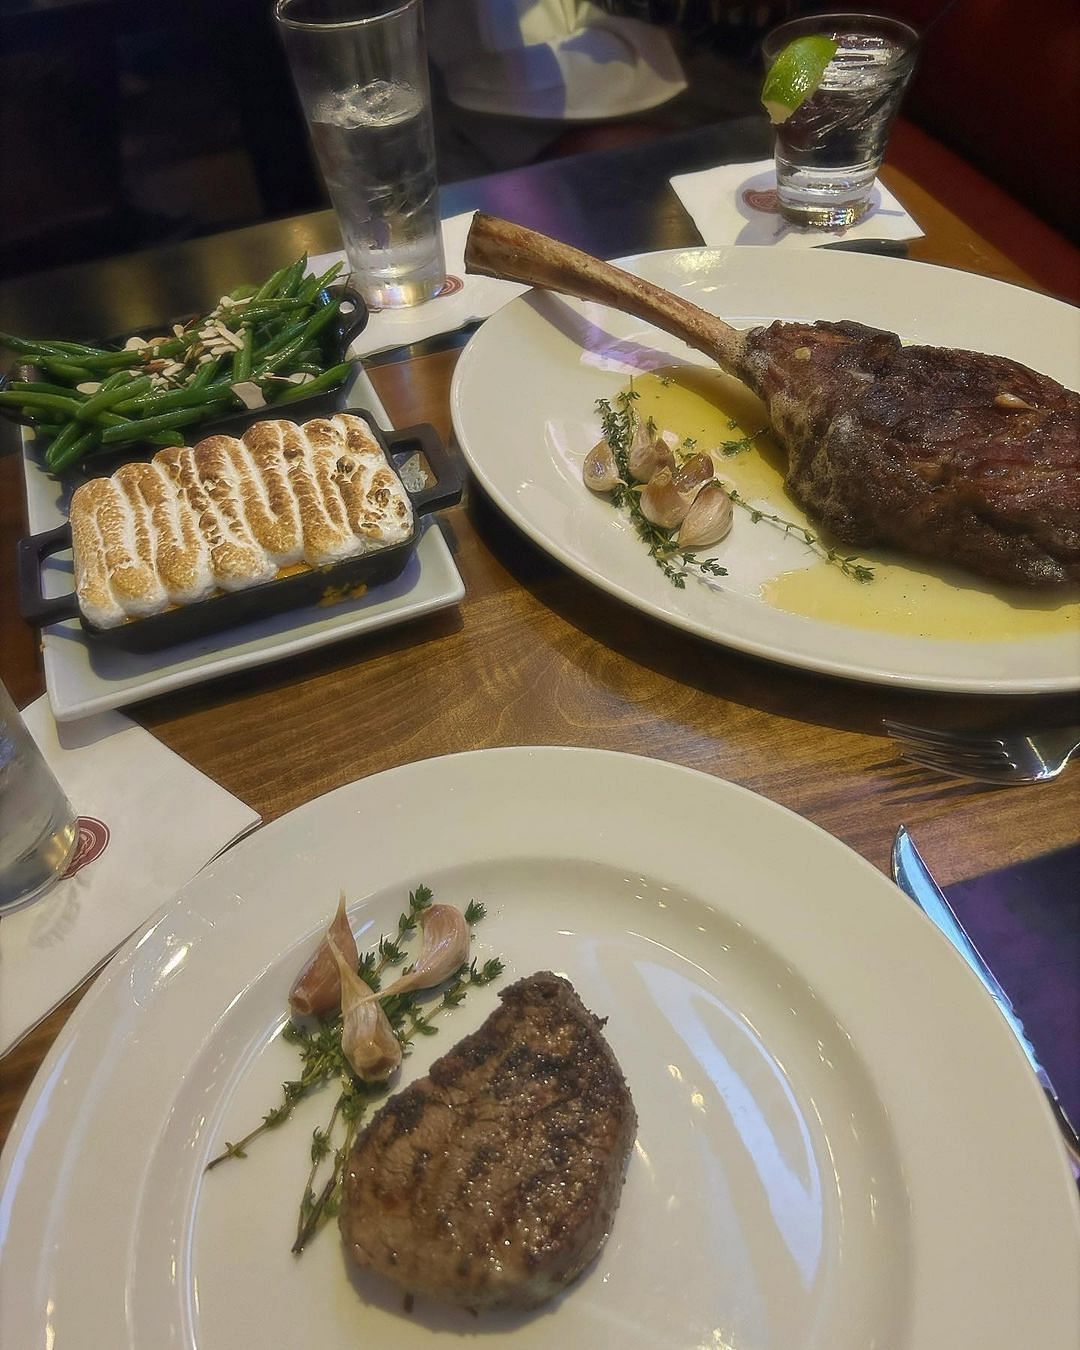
(83, 678)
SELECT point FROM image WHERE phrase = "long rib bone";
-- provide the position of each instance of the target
(496, 248)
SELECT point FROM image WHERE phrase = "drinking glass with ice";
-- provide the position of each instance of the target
(360, 67)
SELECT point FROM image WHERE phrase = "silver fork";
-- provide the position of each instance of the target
(988, 756)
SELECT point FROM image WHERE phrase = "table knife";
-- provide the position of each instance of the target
(915, 879)
(889, 248)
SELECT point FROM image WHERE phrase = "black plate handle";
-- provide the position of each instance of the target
(446, 490)
(350, 325)
(37, 608)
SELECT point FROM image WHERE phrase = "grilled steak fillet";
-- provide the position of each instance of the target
(493, 1182)
(928, 449)
(916, 447)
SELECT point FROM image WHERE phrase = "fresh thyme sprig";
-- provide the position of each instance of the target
(322, 1059)
(619, 422)
(730, 448)
(850, 565)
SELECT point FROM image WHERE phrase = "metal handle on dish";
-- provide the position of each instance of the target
(35, 606)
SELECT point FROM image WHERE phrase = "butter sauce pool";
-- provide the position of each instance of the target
(907, 596)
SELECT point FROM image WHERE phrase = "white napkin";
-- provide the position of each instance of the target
(160, 821)
(466, 298)
(550, 59)
(736, 204)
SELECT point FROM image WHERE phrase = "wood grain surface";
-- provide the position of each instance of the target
(534, 655)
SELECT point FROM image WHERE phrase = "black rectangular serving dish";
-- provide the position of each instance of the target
(336, 341)
(229, 609)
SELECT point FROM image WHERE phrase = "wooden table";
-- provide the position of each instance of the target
(534, 655)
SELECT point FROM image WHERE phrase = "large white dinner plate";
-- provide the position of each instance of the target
(83, 677)
(523, 399)
(839, 1144)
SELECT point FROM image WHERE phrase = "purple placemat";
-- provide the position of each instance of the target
(1025, 920)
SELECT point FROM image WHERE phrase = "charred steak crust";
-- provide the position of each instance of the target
(915, 447)
(493, 1181)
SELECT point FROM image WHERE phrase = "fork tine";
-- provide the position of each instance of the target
(958, 754)
(980, 773)
(946, 739)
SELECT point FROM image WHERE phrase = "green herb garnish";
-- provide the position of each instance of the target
(850, 565)
(322, 1060)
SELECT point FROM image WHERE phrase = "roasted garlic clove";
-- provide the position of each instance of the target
(600, 470)
(648, 454)
(661, 501)
(708, 519)
(693, 472)
(444, 951)
(367, 1038)
(317, 988)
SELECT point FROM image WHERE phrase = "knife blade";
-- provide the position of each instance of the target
(916, 880)
(889, 248)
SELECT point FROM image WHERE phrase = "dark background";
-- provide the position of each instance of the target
(131, 124)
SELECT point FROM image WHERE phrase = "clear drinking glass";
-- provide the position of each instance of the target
(829, 150)
(37, 825)
(360, 67)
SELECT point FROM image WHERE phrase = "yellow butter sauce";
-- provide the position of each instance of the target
(906, 597)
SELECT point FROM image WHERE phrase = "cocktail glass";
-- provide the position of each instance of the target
(829, 150)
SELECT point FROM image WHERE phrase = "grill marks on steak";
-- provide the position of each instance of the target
(493, 1181)
(886, 444)
(911, 447)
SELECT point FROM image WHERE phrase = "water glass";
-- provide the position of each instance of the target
(829, 150)
(360, 67)
(38, 828)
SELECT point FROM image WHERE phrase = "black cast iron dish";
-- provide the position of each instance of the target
(320, 585)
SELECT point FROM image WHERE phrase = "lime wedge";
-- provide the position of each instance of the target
(795, 74)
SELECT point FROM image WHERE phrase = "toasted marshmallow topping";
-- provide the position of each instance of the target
(231, 513)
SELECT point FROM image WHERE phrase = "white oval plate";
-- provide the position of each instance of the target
(840, 1145)
(523, 398)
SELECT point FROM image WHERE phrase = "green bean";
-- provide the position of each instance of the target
(108, 398)
(204, 375)
(244, 358)
(57, 449)
(281, 340)
(327, 380)
(309, 289)
(272, 285)
(166, 438)
(294, 276)
(73, 452)
(110, 360)
(32, 346)
(149, 426)
(323, 316)
(329, 275)
(114, 381)
(313, 285)
(67, 371)
(149, 405)
(60, 403)
(39, 387)
(273, 309)
(242, 292)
